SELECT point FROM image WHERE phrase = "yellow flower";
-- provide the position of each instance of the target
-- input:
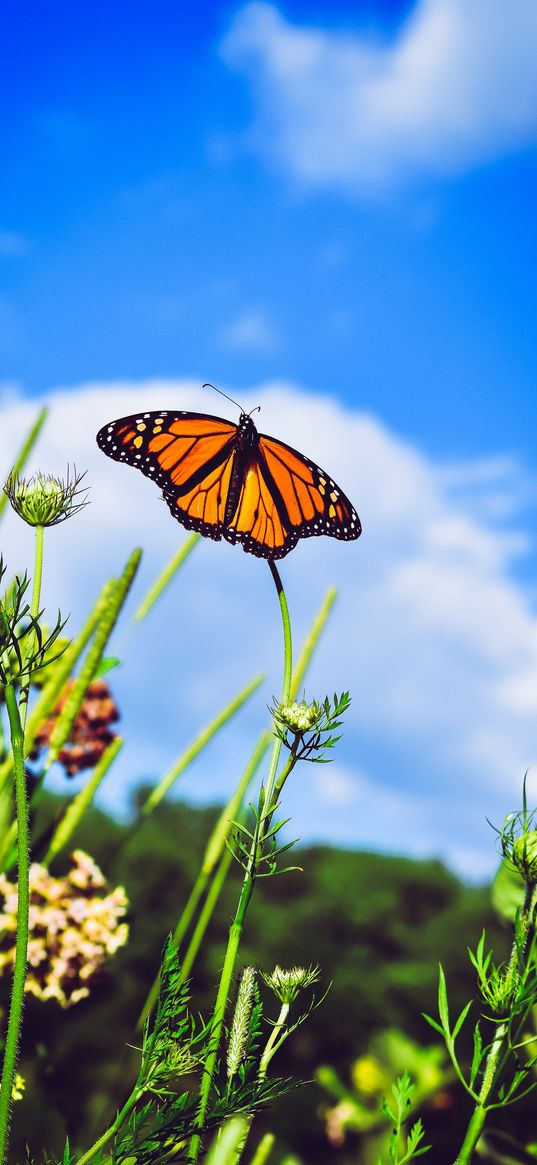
(18, 1087)
(367, 1076)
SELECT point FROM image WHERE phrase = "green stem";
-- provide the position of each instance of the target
(271, 1047)
(24, 452)
(162, 789)
(235, 932)
(34, 611)
(113, 1128)
(213, 853)
(275, 1034)
(23, 906)
(263, 1150)
(165, 577)
(493, 1066)
(205, 915)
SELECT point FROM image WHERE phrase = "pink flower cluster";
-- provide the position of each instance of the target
(75, 923)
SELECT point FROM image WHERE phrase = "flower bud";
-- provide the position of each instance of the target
(44, 500)
(286, 984)
(298, 716)
(524, 855)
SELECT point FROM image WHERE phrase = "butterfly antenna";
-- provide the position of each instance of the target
(219, 390)
(256, 410)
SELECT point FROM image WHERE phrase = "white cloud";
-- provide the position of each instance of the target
(252, 330)
(432, 632)
(455, 87)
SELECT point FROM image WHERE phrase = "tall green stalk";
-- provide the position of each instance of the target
(34, 612)
(236, 929)
(500, 1044)
(24, 452)
(21, 948)
(17, 712)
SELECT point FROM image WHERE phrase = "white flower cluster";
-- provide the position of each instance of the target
(298, 716)
(74, 925)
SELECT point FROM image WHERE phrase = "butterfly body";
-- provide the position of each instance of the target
(230, 481)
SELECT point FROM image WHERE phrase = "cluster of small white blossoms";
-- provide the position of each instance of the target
(74, 925)
(298, 716)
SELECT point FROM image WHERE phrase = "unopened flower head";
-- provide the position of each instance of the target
(298, 716)
(287, 983)
(524, 855)
(45, 500)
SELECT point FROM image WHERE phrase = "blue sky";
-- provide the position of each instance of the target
(336, 198)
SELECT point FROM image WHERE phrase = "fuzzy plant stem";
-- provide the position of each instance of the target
(517, 962)
(235, 932)
(23, 906)
(114, 1128)
(34, 611)
(277, 1036)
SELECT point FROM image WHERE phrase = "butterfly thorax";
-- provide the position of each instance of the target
(246, 443)
(247, 436)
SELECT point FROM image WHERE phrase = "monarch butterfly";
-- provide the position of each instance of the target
(229, 481)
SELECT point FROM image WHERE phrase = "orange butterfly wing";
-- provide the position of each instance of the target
(285, 496)
(189, 455)
(262, 493)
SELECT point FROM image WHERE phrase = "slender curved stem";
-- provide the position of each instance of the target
(235, 932)
(113, 1128)
(21, 948)
(493, 1067)
(34, 611)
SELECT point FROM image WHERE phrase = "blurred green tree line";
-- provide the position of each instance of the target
(377, 925)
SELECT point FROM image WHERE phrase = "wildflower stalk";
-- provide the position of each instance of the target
(495, 1059)
(217, 842)
(236, 929)
(159, 792)
(271, 1045)
(112, 1129)
(80, 804)
(263, 1150)
(216, 847)
(119, 591)
(205, 915)
(34, 612)
(21, 949)
(24, 451)
(165, 577)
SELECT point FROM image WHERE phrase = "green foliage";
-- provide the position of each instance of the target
(374, 923)
(24, 644)
(403, 1148)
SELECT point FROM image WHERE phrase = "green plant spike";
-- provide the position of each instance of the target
(235, 932)
(65, 665)
(24, 452)
(93, 658)
(264, 1149)
(165, 577)
(23, 908)
(215, 852)
(160, 791)
(80, 804)
(216, 847)
(223, 1150)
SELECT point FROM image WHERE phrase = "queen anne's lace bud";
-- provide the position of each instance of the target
(286, 984)
(524, 855)
(298, 716)
(44, 500)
